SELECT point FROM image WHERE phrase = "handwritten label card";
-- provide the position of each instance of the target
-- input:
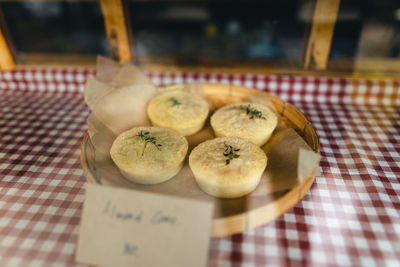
(121, 227)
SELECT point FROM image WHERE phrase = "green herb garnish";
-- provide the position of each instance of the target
(174, 101)
(148, 139)
(230, 153)
(252, 112)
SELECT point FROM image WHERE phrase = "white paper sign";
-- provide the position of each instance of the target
(122, 227)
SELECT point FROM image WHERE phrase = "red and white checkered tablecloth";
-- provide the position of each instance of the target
(350, 217)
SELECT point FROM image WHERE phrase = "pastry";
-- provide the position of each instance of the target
(227, 167)
(149, 155)
(252, 121)
(178, 110)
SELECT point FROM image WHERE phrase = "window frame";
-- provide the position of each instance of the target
(314, 60)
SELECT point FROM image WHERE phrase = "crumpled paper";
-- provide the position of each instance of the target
(118, 95)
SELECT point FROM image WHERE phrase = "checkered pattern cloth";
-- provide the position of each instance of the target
(350, 217)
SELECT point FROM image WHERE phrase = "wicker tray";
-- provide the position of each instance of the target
(238, 216)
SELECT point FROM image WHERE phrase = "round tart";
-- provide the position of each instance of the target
(252, 121)
(149, 155)
(227, 167)
(181, 111)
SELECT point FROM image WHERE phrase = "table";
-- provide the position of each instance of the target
(350, 217)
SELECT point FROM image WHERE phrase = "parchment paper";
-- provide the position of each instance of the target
(290, 159)
(118, 97)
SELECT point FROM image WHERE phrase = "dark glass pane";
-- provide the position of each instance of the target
(367, 29)
(255, 30)
(56, 27)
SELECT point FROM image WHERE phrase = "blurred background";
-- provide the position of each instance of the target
(329, 36)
